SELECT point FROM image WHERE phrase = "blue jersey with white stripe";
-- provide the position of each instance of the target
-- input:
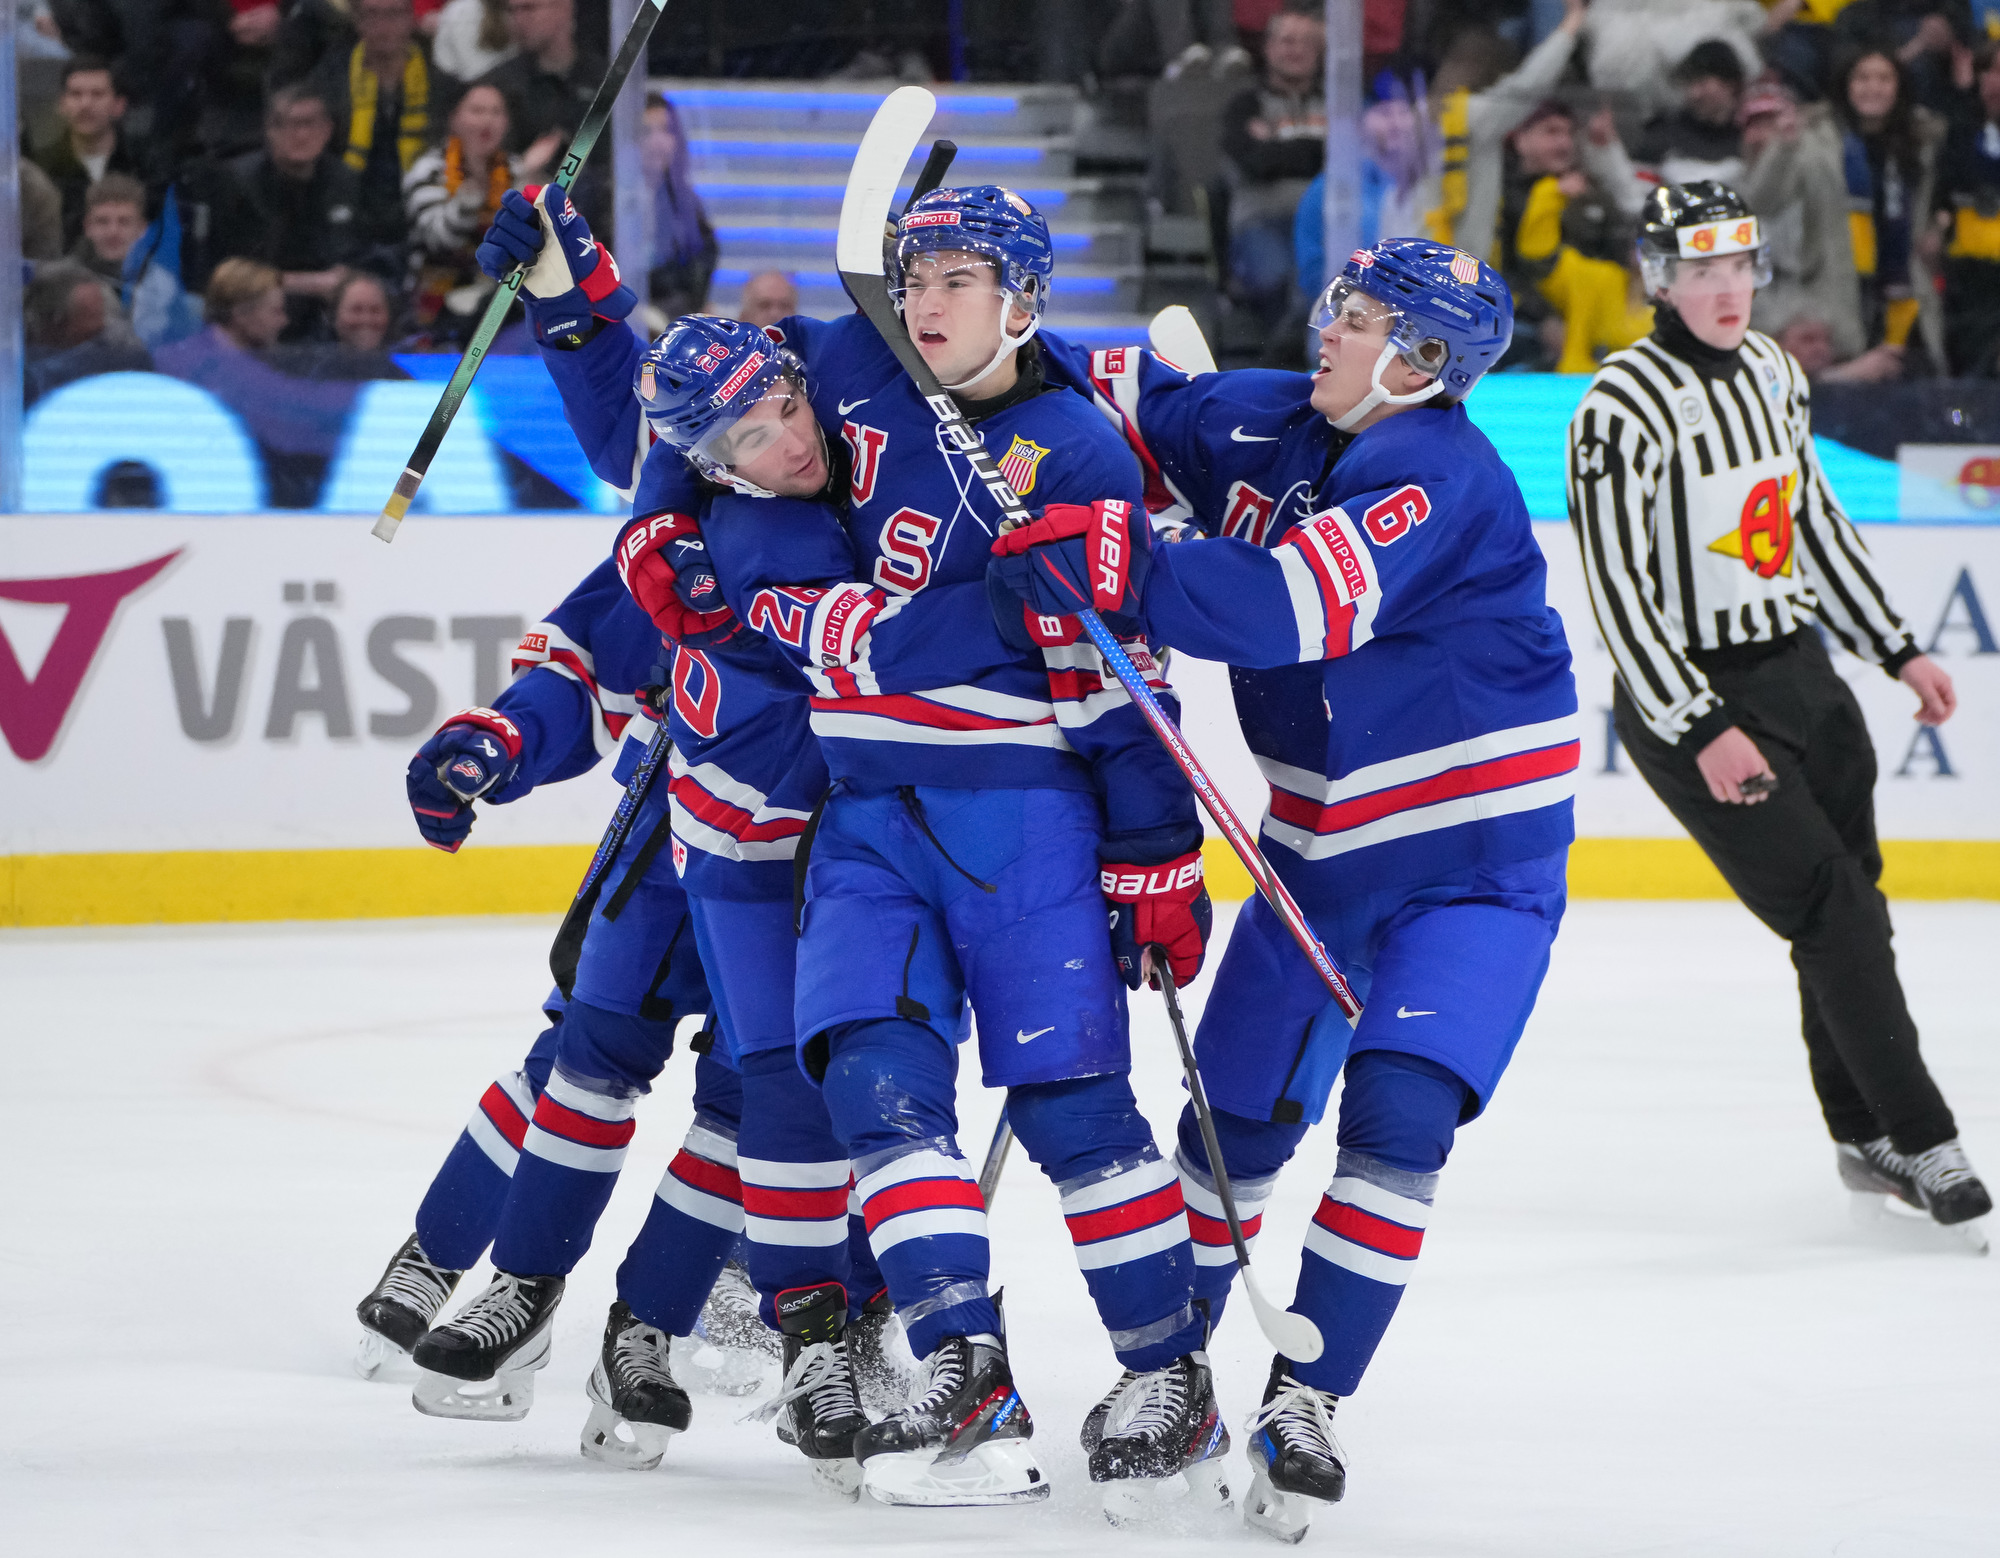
(1381, 601)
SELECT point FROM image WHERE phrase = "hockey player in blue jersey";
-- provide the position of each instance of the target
(1371, 578)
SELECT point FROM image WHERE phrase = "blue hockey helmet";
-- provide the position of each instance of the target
(1001, 228)
(1451, 315)
(701, 377)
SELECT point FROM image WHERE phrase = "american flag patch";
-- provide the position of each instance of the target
(1465, 268)
(1018, 465)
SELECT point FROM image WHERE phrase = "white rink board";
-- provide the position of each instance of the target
(124, 773)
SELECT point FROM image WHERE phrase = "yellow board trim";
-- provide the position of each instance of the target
(195, 887)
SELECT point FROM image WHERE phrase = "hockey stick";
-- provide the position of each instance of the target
(1295, 1336)
(936, 166)
(568, 945)
(594, 120)
(996, 1159)
(885, 150)
(1176, 337)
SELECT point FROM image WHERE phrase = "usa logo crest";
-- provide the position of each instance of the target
(1464, 268)
(1020, 463)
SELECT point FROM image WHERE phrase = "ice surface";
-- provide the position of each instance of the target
(1644, 1323)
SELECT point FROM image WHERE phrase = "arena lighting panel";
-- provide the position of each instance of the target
(831, 102)
(729, 232)
(733, 189)
(735, 276)
(841, 151)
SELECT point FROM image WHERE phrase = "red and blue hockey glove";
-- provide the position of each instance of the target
(665, 565)
(1161, 906)
(572, 278)
(474, 753)
(1076, 555)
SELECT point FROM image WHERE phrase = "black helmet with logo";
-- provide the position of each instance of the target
(1697, 220)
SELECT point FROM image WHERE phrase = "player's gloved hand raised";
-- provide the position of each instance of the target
(571, 278)
(474, 753)
(1076, 555)
(665, 564)
(1162, 906)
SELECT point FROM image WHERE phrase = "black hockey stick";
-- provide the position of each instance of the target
(1296, 1337)
(936, 166)
(885, 150)
(568, 945)
(594, 120)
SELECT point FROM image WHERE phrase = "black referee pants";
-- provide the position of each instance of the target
(1805, 861)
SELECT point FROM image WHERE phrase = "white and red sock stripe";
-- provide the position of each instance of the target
(1372, 1218)
(1127, 1216)
(501, 1120)
(920, 1195)
(800, 1204)
(702, 1182)
(580, 1129)
(1207, 1227)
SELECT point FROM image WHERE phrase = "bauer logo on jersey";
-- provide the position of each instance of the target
(1464, 267)
(1718, 238)
(1763, 533)
(1020, 463)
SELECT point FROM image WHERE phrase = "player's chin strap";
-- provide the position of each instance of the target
(1378, 395)
(1008, 343)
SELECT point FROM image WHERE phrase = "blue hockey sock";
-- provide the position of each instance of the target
(695, 1223)
(1122, 1202)
(456, 1218)
(795, 1182)
(1252, 1151)
(890, 1091)
(1398, 1115)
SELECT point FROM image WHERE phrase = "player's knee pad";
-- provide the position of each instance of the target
(1076, 1126)
(888, 1083)
(718, 1091)
(612, 1052)
(1402, 1110)
(541, 1057)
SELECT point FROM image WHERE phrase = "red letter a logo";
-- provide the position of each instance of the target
(31, 713)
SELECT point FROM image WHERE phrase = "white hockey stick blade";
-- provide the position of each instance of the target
(1293, 1335)
(1176, 335)
(892, 139)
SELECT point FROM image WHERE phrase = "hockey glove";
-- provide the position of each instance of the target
(664, 563)
(1163, 907)
(1076, 555)
(572, 278)
(474, 753)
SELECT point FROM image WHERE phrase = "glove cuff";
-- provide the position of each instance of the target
(1181, 878)
(494, 723)
(840, 623)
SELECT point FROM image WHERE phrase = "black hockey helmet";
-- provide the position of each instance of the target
(1697, 221)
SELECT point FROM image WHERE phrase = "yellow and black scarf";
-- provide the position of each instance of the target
(414, 130)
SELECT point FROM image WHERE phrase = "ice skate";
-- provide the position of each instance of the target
(400, 1308)
(879, 1354)
(1298, 1461)
(632, 1389)
(816, 1408)
(1160, 1443)
(732, 1348)
(1938, 1182)
(963, 1440)
(497, 1342)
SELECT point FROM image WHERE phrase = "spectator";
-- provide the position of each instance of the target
(1701, 138)
(1810, 339)
(1794, 180)
(548, 84)
(1393, 170)
(92, 143)
(471, 38)
(1166, 37)
(684, 247)
(768, 296)
(233, 121)
(62, 308)
(114, 219)
(1888, 150)
(1927, 38)
(1966, 224)
(41, 215)
(1634, 44)
(1274, 136)
(452, 195)
(380, 92)
(294, 206)
(362, 313)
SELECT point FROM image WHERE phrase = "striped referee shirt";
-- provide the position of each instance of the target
(1706, 522)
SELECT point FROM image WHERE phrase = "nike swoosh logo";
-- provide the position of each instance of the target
(848, 405)
(1239, 436)
(1404, 1011)
(1023, 1038)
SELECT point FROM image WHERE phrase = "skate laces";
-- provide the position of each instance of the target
(1941, 1168)
(417, 1281)
(640, 1355)
(944, 1379)
(1301, 1415)
(820, 1374)
(1148, 1405)
(498, 1315)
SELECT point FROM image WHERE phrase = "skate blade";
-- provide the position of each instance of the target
(373, 1351)
(1908, 1225)
(505, 1398)
(839, 1479)
(1973, 1233)
(1001, 1471)
(639, 1448)
(1201, 1489)
(718, 1371)
(1285, 1516)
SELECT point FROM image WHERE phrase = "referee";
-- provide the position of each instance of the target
(1712, 544)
